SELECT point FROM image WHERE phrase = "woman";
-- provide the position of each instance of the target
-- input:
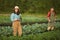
(15, 18)
(51, 19)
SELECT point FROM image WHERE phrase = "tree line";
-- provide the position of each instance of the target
(30, 6)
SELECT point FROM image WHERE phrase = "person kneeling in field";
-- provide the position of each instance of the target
(16, 21)
(51, 19)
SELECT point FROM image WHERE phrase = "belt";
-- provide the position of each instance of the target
(16, 20)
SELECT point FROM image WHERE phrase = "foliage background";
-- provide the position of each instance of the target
(30, 6)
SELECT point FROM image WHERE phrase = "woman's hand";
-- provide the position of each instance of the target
(49, 20)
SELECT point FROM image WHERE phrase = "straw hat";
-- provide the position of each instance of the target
(16, 7)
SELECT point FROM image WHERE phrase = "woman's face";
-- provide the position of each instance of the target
(52, 9)
(16, 10)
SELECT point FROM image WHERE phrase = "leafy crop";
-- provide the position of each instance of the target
(27, 29)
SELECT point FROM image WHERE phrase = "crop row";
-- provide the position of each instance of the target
(27, 29)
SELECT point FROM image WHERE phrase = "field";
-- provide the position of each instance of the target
(5, 18)
(30, 32)
(34, 19)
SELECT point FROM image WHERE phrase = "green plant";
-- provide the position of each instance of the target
(27, 29)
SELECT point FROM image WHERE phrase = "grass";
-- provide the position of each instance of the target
(26, 18)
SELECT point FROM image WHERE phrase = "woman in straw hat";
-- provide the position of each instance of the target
(15, 18)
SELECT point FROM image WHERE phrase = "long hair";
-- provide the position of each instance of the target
(17, 12)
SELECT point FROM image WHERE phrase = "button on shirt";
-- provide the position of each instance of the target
(14, 17)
